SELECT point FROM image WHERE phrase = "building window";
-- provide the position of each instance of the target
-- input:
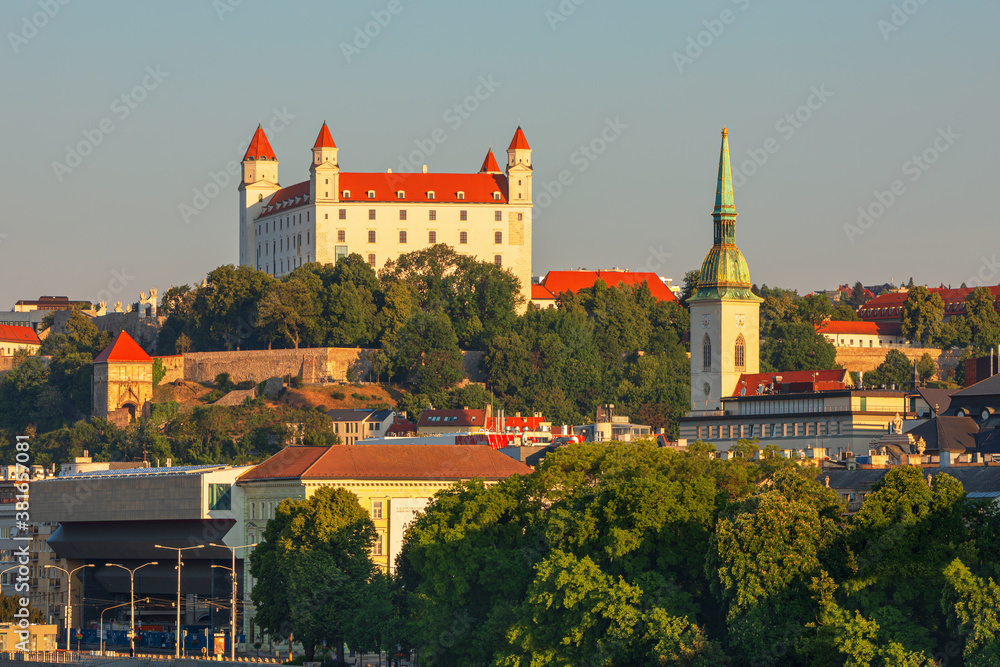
(520, 216)
(496, 196)
(706, 353)
(432, 237)
(342, 214)
(400, 194)
(498, 260)
(497, 238)
(371, 236)
(376, 509)
(377, 546)
(430, 194)
(463, 215)
(341, 236)
(460, 195)
(371, 260)
(346, 194)
(371, 194)
(432, 215)
(402, 236)
(463, 238)
(402, 214)
(219, 496)
(371, 214)
(497, 216)
(741, 352)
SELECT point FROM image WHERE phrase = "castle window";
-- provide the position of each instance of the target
(460, 195)
(327, 182)
(341, 236)
(463, 238)
(498, 237)
(706, 353)
(432, 215)
(463, 215)
(741, 353)
(307, 217)
(342, 215)
(371, 236)
(346, 194)
(371, 260)
(430, 194)
(402, 236)
(307, 238)
(496, 196)
(432, 237)
(498, 260)
(371, 214)
(402, 214)
(371, 194)
(497, 216)
(400, 194)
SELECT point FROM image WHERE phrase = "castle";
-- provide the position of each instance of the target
(383, 215)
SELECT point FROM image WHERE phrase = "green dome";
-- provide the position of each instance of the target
(725, 275)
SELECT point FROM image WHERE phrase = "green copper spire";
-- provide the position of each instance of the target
(724, 192)
(724, 273)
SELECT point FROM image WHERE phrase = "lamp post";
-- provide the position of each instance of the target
(69, 597)
(100, 639)
(131, 572)
(232, 613)
(177, 633)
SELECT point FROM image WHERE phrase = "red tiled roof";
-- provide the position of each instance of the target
(518, 141)
(324, 140)
(472, 418)
(124, 348)
(14, 334)
(490, 164)
(861, 328)
(396, 462)
(557, 282)
(401, 427)
(890, 305)
(753, 380)
(260, 147)
(286, 199)
(541, 293)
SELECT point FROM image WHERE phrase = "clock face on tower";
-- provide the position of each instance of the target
(707, 388)
(706, 320)
(741, 321)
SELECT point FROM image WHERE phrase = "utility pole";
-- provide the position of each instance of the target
(232, 613)
(177, 632)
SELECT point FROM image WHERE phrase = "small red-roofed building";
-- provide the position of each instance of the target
(382, 215)
(863, 334)
(560, 282)
(14, 338)
(123, 381)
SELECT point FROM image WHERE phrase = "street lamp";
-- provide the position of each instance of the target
(232, 613)
(101, 638)
(69, 597)
(177, 638)
(131, 572)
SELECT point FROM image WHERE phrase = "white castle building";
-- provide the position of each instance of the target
(383, 215)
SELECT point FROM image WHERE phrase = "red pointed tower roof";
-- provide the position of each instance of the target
(518, 141)
(260, 147)
(124, 348)
(489, 164)
(325, 139)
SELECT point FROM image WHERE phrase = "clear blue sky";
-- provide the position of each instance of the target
(645, 202)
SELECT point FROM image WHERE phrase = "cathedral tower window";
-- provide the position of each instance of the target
(741, 353)
(706, 353)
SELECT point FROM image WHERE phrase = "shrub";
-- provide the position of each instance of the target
(358, 396)
(338, 395)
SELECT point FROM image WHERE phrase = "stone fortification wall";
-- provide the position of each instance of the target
(315, 365)
(868, 358)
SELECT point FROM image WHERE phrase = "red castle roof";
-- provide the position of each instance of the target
(490, 164)
(124, 348)
(15, 334)
(519, 141)
(860, 328)
(260, 147)
(325, 139)
(557, 282)
(890, 305)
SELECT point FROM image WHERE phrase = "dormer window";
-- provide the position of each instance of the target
(430, 194)
(460, 195)
(400, 194)
(371, 194)
(496, 196)
(346, 194)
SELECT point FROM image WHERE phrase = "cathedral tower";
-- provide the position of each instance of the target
(725, 313)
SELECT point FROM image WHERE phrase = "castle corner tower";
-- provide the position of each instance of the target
(260, 180)
(725, 313)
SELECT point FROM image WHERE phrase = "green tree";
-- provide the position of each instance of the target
(507, 363)
(926, 368)
(797, 347)
(982, 320)
(313, 570)
(923, 315)
(972, 606)
(690, 285)
(288, 311)
(844, 312)
(428, 353)
(858, 295)
(895, 370)
(815, 308)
